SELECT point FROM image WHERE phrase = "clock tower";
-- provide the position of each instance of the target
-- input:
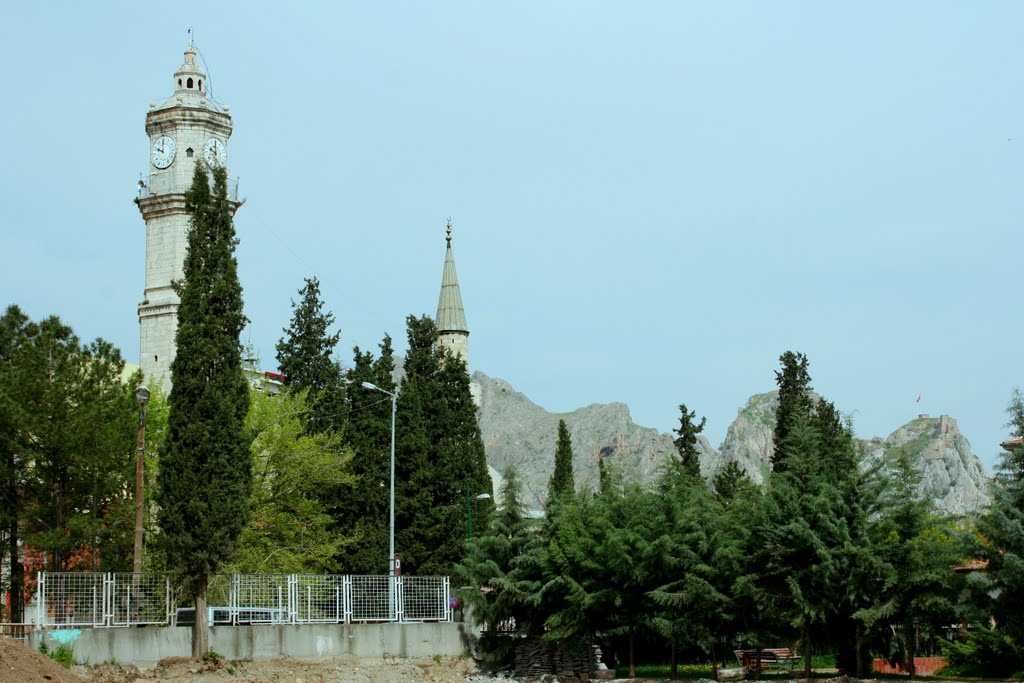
(182, 130)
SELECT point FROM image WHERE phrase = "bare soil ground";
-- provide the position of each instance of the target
(19, 664)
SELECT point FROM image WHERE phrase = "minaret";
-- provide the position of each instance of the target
(452, 332)
(184, 129)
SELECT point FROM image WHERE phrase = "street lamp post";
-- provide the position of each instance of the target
(391, 526)
(142, 398)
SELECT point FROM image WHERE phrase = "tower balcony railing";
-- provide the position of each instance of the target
(146, 189)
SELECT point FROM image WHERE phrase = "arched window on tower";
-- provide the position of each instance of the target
(189, 152)
(200, 84)
(179, 82)
(190, 83)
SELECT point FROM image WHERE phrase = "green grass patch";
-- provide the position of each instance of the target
(63, 655)
(824, 663)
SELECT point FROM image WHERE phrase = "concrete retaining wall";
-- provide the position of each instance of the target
(147, 646)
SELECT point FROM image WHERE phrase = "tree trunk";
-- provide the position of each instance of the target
(673, 667)
(757, 662)
(201, 629)
(807, 652)
(632, 661)
(911, 651)
(714, 661)
(17, 593)
(858, 649)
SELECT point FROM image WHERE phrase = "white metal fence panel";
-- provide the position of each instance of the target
(71, 599)
(108, 599)
(318, 598)
(137, 599)
(425, 598)
(259, 598)
(373, 598)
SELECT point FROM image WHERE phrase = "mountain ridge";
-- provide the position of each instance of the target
(518, 432)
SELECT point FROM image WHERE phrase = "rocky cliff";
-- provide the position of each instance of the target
(952, 476)
(749, 438)
(518, 432)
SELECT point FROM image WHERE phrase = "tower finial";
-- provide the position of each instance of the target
(449, 231)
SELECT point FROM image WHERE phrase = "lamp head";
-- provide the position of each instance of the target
(142, 395)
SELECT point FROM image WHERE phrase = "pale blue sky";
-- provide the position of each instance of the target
(651, 201)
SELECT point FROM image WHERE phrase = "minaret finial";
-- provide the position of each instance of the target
(449, 231)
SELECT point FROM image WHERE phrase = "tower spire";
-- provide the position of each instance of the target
(452, 331)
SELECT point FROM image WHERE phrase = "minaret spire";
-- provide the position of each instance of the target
(452, 331)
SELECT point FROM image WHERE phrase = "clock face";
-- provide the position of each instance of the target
(163, 152)
(215, 153)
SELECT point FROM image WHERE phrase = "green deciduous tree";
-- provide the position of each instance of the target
(205, 477)
(289, 531)
(562, 481)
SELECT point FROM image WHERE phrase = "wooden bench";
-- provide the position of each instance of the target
(781, 658)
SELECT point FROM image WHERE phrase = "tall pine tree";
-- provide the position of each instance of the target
(488, 585)
(686, 441)
(304, 356)
(363, 510)
(1002, 531)
(795, 400)
(205, 477)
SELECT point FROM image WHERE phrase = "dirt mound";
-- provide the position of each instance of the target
(284, 670)
(18, 664)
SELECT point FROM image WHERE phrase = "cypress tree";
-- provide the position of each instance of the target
(304, 357)
(562, 481)
(686, 442)
(205, 477)
(441, 456)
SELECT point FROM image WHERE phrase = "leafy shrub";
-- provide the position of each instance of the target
(985, 653)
